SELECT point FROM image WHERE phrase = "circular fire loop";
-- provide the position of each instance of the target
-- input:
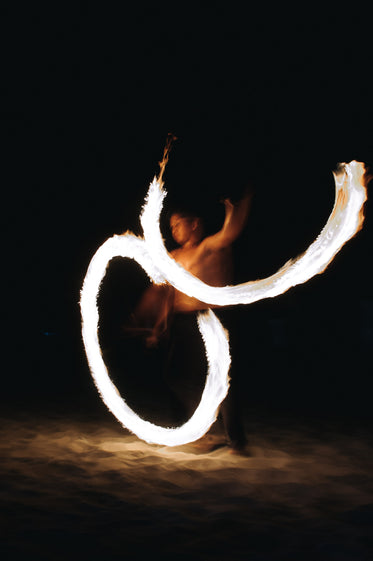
(212, 332)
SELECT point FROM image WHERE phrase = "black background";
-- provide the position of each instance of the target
(275, 97)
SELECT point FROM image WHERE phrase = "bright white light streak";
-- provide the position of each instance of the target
(213, 334)
(343, 223)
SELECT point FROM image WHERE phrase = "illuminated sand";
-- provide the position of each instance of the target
(344, 221)
(78, 488)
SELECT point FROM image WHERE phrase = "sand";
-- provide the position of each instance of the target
(79, 486)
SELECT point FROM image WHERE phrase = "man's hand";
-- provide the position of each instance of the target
(152, 341)
(229, 206)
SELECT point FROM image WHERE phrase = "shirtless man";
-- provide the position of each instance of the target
(209, 259)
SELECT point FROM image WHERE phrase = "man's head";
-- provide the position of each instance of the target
(186, 228)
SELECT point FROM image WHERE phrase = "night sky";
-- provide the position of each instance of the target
(271, 98)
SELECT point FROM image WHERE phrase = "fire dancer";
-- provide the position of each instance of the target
(210, 259)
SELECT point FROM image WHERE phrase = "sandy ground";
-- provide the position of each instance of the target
(81, 487)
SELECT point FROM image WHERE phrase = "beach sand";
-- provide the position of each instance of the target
(79, 486)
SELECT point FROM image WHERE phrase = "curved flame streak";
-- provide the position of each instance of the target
(343, 223)
(214, 336)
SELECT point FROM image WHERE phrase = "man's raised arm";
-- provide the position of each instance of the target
(235, 220)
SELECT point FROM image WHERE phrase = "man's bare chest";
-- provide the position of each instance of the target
(210, 267)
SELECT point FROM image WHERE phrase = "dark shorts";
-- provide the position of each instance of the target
(186, 371)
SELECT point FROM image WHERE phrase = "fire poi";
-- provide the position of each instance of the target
(149, 252)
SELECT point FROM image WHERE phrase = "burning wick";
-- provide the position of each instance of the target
(344, 222)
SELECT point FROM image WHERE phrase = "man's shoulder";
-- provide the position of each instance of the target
(212, 244)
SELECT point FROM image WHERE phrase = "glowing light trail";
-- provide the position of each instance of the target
(213, 334)
(344, 221)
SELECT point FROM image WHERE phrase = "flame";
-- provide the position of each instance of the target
(166, 154)
(214, 336)
(344, 222)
